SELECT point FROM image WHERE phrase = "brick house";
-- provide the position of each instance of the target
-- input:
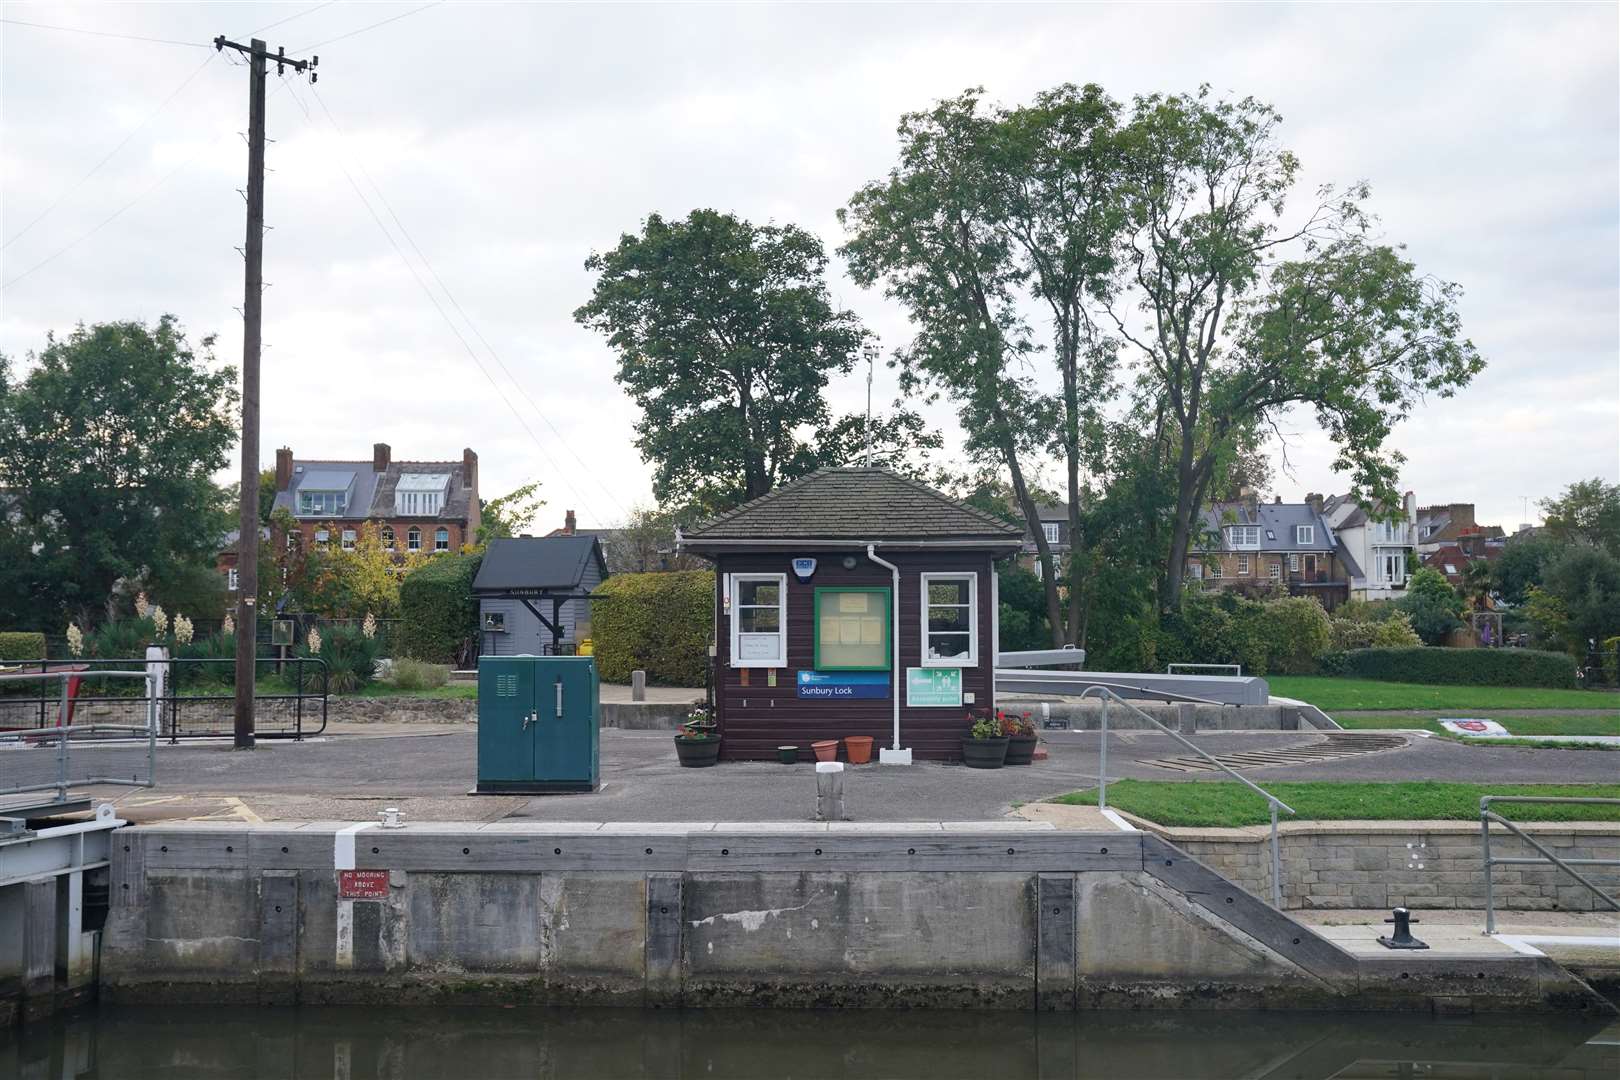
(424, 506)
(1442, 525)
(1379, 541)
(1253, 546)
(1054, 524)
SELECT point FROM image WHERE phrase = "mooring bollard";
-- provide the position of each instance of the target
(1402, 938)
(638, 686)
(829, 791)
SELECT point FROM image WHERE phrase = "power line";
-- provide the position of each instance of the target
(439, 307)
(461, 311)
(290, 18)
(373, 26)
(43, 214)
(106, 34)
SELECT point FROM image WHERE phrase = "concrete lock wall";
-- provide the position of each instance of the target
(1413, 865)
(710, 915)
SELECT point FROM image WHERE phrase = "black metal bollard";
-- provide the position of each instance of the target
(1402, 938)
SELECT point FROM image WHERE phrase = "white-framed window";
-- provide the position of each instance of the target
(348, 539)
(232, 578)
(388, 537)
(292, 539)
(950, 620)
(1195, 570)
(413, 539)
(1052, 530)
(1389, 532)
(1304, 534)
(316, 503)
(322, 536)
(1243, 536)
(1392, 567)
(1243, 566)
(1293, 564)
(1451, 568)
(441, 539)
(1275, 570)
(758, 620)
(1215, 568)
(420, 503)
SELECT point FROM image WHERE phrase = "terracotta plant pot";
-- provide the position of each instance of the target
(859, 748)
(1020, 749)
(984, 753)
(697, 753)
(826, 749)
(787, 755)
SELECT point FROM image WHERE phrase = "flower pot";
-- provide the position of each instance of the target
(787, 755)
(859, 748)
(1020, 749)
(984, 753)
(697, 753)
(826, 749)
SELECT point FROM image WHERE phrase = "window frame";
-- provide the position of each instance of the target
(1053, 531)
(348, 538)
(1215, 569)
(972, 657)
(498, 626)
(387, 536)
(815, 626)
(1304, 534)
(1234, 531)
(441, 539)
(1243, 565)
(233, 580)
(1293, 562)
(413, 539)
(734, 621)
(1274, 571)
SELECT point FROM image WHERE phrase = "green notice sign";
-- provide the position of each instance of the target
(939, 687)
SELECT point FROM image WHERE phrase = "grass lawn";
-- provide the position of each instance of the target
(1605, 724)
(1332, 694)
(1230, 804)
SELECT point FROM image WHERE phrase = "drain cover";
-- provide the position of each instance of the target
(1331, 748)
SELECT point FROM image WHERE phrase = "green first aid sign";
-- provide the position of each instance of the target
(934, 687)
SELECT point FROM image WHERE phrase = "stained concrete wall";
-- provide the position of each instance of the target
(694, 915)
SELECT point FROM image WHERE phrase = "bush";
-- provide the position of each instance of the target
(1432, 605)
(408, 674)
(1297, 634)
(1611, 660)
(350, 657)
(22, 645)
(1470, 667)
(438, 614)
(1358, 625)
(659, 623)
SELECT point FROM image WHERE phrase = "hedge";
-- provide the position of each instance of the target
(659, 623)
(1468, 667)
(438, 614)
(22, 645)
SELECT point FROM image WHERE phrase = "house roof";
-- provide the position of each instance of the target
(858, 505)
(371, 493)
(537, 562)
(1276, 522)
(1352, 569)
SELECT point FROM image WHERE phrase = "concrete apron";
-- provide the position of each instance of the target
(980, 914)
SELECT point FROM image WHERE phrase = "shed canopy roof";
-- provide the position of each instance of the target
(855, 504)
(531, 563)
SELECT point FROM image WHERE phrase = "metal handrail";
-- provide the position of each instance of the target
(1487, 815)
(1272, 801)
(64, 730)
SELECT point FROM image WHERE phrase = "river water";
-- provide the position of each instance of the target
(482, 1043)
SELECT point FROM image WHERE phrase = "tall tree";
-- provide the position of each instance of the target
(726, 339)
(1230, 333)
(508, 515)
(1588, 510)
(107, 446)
(933, 232)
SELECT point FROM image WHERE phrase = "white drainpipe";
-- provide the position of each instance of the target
(893, 755)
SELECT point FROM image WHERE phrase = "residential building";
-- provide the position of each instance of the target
(419, 506)
(1376, 547)
(1054, 525)
(228, 560)
(1444, 524)
(1452, 559)
(1256, 547)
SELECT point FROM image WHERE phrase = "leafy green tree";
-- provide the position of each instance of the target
(1431, 605)
(1588, 510)
(508, 515)
(1479, 580)
(1520, 566)
(1231, 334)
(1585, 581)
(726, 339)
(108, 445)
(646, 542)
(1023, 609)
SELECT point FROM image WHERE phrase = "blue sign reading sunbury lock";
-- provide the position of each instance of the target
(843, 685)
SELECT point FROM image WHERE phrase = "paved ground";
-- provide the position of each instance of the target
(352, 775)
(1590, 938)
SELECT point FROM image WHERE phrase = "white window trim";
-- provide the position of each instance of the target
(413, 539)
(1243, 566)
(1053, 531)
(1293, 563)
(1274, 571)
(1304, 534)
(972, 658)
(349, 537)
(733, 623)
(1234, 531)
(441, 534)
(231, 579)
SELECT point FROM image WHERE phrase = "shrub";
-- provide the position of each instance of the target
(1297, 634)
(22, 645)
(659, 623)
(350, 657)
(1432, 605)
(409, 674)
(1357, 625)
(438, 615)
(1472, 667)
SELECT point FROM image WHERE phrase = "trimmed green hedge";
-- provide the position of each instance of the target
(1469, 667)
(22, 645)
(658, 623)
(438, 615)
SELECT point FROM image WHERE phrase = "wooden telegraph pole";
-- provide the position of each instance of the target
(247, 544)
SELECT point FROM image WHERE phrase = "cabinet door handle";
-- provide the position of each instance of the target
(559, 699)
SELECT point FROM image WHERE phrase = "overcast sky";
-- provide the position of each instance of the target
(512, 140)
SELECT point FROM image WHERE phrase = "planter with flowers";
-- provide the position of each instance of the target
(1021, 740)
(697, 746)
(985, 744)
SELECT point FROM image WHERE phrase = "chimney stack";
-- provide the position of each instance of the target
(569, 523)
(283, 469)
(469, 469)
(1314, 501)
(381, 454)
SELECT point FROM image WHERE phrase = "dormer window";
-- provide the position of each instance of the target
(1304, 534)
(322, 503)
(1052, 530)
(421, 494)
(1243, 536)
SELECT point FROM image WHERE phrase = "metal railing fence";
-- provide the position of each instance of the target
(1106, 695)
(1487, 816)
(68, 754)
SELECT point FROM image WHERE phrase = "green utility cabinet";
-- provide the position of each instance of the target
(537, 725)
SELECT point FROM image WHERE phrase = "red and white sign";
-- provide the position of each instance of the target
(1474, 727)
(362, 884)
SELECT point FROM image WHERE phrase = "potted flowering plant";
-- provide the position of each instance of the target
(1020, 737)
(697, 745)
(985, 744)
